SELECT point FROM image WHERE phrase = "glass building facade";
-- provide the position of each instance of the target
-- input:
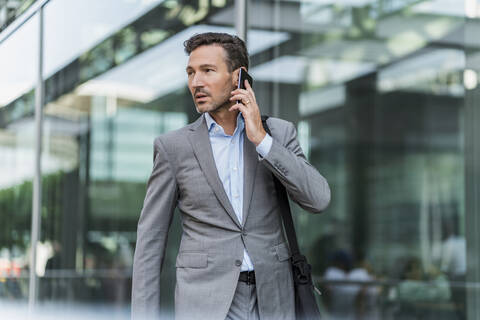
(385, 98)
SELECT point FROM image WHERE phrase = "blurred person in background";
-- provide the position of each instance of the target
(421, 291)
(348, 301)
(338, 298)
(366, 299)
(453, 261)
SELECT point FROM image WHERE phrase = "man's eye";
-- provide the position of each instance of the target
(208, 70)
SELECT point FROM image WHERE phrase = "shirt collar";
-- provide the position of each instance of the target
(211, 123)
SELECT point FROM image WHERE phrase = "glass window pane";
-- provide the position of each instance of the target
(383, 95)
(89, 22)
(103, 110)
(376, 91)
(18, 65)
(11, 10)
(472, 160)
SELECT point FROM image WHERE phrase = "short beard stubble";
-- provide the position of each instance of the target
(216, 106)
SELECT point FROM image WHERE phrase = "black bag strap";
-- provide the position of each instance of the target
(285, 208)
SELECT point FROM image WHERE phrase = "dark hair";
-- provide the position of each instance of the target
(237, 55)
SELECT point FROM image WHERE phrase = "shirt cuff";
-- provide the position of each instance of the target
(264, 147)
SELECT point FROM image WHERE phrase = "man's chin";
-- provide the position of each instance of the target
(202, 108)
(206, 107)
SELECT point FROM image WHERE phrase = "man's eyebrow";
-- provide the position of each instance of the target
(203, 66)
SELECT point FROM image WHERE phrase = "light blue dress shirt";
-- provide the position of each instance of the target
(228, 155)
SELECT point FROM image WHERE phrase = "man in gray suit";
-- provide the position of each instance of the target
(233, 260)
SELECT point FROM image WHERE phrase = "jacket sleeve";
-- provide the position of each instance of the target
(152, 233)
(304, 184)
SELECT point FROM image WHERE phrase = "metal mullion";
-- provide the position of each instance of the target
(37, 181)
(22, 19)
(472, 182)
(241, 24)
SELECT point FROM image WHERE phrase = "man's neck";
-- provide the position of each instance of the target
(226, 119)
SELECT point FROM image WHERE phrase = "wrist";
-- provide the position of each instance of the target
(260, 138)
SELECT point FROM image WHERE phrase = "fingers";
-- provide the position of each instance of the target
(240, 107)
(247, 85)
(246, 97)
(250, 90)
(240, 97)
(251, 113)
(240, 91)
(247, 92)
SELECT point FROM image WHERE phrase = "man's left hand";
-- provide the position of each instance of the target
(251, 113)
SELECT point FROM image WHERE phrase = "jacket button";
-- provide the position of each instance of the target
(238, 263)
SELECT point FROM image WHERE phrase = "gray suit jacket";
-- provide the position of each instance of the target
(211, 249)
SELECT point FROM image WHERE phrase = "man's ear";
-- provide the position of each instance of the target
(236, 74)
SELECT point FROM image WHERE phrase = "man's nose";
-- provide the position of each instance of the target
(197, 81)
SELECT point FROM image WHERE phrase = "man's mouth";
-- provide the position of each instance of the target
(200, 97)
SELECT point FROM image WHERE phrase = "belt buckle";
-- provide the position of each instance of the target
(250, 277)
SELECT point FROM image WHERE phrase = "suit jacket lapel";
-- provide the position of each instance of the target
(250, 161)
(200, 141)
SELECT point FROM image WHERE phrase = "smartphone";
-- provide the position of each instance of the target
(242, 76)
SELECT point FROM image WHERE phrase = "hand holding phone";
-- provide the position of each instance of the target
(242, 76)
(249, 108)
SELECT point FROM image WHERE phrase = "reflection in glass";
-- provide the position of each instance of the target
(89, 22)
(376, 89)
(17, 152)
(11, 10)
(103, 110)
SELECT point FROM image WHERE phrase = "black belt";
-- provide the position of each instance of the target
(248, 277)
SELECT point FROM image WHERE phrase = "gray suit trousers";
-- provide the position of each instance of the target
(244, 305)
